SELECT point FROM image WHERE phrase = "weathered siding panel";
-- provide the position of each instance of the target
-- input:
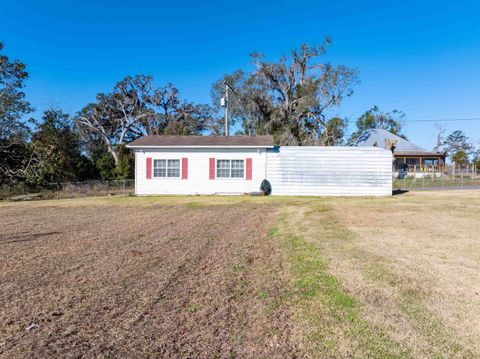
(198, 180)
(336, 171)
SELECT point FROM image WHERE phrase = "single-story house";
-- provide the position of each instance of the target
(407, 156)
(238, 164)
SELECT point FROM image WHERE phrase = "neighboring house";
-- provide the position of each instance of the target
(239, 164)
(407, 156)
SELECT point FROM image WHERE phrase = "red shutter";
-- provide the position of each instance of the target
(249, 169)
(149, 167)
(184, 168)
(212, 168)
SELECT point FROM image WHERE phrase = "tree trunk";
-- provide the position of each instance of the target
(114, 154)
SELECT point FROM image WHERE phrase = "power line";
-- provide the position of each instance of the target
(446, 120)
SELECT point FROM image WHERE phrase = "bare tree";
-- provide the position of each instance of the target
(16, 160)
(117, 117)
(135, 108)
(174, 116)
(300, 90)
(289, 98)
(440, 141)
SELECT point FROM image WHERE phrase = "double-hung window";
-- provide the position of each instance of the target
(230, 169)
(166, 168)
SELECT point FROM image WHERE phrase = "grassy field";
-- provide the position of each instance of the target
(246, 277)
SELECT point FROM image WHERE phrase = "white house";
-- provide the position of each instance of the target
(239, 164)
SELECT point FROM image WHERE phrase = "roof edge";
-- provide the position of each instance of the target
(201, 146)
(196, 141)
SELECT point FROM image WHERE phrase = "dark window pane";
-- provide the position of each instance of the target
(159, 168)
(237, 169)
(173, 168)
(223, 168)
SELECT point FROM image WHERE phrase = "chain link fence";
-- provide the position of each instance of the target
(67, 190)
(443, 181)
(407, 182)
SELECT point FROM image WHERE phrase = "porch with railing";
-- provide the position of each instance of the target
(420, 165)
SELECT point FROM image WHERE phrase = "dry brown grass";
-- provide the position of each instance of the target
(200, 277)
(167, 278)
(413, 261)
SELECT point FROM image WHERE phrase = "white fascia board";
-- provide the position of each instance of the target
(128, 146)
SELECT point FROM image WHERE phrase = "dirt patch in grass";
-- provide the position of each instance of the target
(104, 278)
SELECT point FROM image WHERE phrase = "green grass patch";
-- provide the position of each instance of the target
(263, 294)
(327, 314)
(195, 204)
(194, 308)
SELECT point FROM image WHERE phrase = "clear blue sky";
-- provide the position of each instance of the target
(421, 57)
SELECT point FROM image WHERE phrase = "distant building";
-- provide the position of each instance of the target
(407, 156)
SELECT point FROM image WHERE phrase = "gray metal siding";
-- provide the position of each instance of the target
(336, 171)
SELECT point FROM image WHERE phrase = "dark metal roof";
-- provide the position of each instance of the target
(203, 141)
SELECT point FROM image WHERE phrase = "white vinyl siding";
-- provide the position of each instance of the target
(198, 181)
(330, 171)
(291, 170)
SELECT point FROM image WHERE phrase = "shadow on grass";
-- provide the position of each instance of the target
(27, 237)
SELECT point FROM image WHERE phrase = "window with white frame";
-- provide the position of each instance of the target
(237, 169)
(166, 168)
(230, 169)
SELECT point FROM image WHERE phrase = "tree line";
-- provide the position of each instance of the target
(289, 99)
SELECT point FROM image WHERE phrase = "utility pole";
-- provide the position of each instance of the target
(226, 108)
(224, 103)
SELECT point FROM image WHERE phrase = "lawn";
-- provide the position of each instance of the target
(246, 277)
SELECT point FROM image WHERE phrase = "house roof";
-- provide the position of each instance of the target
(379, 137)
(163, 141)
(419, 153)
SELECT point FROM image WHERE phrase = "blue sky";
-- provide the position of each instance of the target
(421, 57)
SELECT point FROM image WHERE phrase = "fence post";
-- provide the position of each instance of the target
(423, 181)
